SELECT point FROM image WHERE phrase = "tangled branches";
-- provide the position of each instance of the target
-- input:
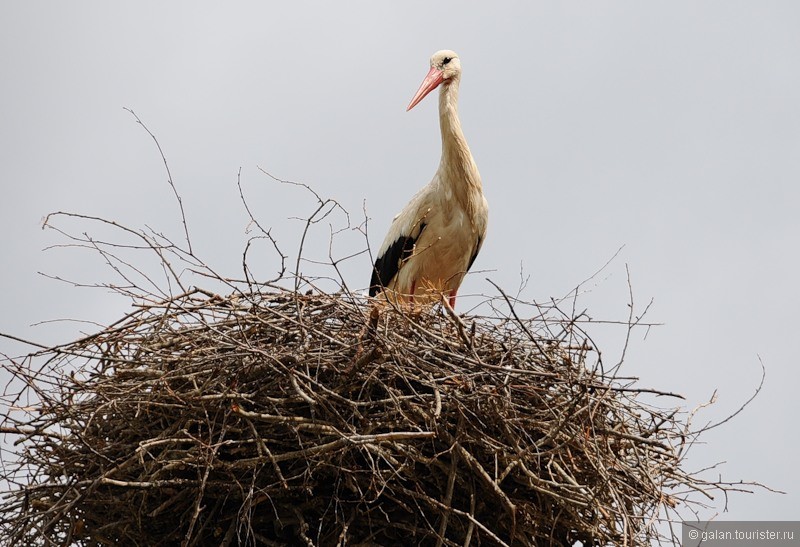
(282, 418)
(269, 416)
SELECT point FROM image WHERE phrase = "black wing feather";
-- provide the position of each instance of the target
(388, 264)
(475, 254)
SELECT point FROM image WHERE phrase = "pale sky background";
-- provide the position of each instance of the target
(669, 128)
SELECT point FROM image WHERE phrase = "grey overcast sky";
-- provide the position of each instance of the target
(669, 128)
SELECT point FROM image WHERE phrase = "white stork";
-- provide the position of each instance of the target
(434, 240)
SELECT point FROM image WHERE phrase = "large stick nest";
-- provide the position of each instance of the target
(280, 418)
(272, 417)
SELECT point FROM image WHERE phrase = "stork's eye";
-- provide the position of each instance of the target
(446, 60)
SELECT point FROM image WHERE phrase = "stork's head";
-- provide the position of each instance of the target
(445, 67)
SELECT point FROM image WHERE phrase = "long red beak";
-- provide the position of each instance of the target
(431, 82)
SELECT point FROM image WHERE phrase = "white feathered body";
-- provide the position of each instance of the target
(451, 235)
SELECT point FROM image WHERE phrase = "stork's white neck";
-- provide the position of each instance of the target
(454, 145)
(457, 168)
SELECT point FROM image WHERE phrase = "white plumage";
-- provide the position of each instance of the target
(433, 241)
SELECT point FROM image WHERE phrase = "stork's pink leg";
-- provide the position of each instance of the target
(453, 298)
(413, 288)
